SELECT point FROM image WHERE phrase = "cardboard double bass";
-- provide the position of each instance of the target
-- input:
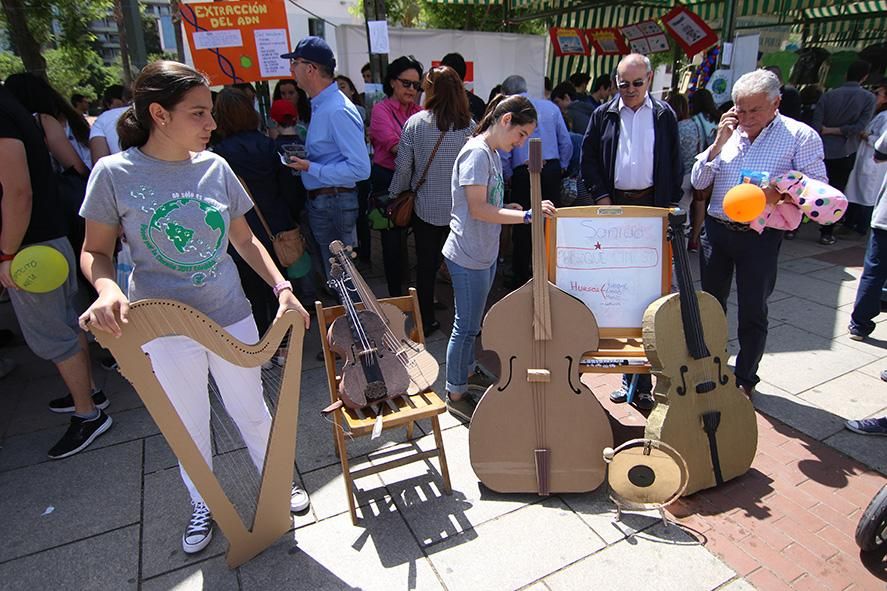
(539, 429)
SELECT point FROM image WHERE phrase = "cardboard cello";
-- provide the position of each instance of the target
(699, 410)
(539, 429)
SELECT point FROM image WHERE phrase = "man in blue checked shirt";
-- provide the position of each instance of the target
(336, 157)
(753, 141)
(557, 150)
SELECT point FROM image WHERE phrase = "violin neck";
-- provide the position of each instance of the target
(367, 297)
(690, 317)
(541, 301)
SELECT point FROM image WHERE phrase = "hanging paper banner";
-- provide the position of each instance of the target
(238, 40)
(646, 37)
(567, 41)
(606, 41)
(689, 30)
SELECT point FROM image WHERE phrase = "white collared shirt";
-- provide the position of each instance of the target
(633, 169)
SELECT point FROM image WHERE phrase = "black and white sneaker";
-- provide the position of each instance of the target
(199, 532)
(79, 435)
(65, 404)
(299, 500)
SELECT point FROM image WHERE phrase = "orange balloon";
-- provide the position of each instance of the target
(744, 202)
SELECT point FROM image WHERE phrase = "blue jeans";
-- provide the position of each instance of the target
(470, 289)
(868, 295)
(332, 217)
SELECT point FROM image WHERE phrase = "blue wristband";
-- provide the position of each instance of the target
(528, 216)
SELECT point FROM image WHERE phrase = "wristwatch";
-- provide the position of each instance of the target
(282, 286)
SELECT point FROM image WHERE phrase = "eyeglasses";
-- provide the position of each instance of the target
(294, 61)
(416, 84)
(623, 84)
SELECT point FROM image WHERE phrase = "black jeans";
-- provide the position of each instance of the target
(754, 257)
(260, 296)
(393, 240)
(838, 172)
(429, 242)
(521, 235)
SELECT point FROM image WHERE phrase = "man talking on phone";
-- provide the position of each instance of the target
(754, 143)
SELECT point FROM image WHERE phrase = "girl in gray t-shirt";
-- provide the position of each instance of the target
(475, 223)
(178, 206)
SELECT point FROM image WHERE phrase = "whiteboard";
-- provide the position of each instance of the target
(614, 264)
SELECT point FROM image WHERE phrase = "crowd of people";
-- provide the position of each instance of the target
(326, 162)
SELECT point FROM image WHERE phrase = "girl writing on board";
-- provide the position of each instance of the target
(471, 250)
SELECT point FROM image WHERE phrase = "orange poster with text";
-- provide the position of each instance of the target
(238, 40)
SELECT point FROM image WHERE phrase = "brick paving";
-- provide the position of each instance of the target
(789, 522)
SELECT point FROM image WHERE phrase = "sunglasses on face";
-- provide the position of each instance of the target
(417, 85)
(623, 84)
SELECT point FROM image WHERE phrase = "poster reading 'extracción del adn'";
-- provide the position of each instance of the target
(237, 40)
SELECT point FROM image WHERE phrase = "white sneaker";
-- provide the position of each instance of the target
(199, 533)
(299, 500)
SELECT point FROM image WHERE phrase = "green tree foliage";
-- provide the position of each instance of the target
(73, 18)
(430, 15)
(69, 71)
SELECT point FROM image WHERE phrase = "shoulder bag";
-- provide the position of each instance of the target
(400, 209)
(289, 245)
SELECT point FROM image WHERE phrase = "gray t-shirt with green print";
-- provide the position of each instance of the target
(176, 217)
(474, 244)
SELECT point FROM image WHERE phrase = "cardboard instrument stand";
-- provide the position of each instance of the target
(152, 319)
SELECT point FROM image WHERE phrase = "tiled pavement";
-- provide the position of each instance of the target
(110, 517)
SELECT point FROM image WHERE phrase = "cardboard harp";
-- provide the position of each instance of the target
(151, 319)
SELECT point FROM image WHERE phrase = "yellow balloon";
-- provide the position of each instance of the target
(39, 269)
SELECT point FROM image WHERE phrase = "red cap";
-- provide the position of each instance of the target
(284, 112)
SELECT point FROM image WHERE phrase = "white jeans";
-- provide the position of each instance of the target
(182, 367)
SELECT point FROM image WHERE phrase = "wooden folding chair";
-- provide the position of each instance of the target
(402, 411)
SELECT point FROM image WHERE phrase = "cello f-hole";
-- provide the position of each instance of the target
(510, 372)
(575, 390)
(682, 389)
(723, 378)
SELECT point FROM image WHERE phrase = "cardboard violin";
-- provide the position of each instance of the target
(421, 366)
(699, 410)
(539, 429)
(370, 373)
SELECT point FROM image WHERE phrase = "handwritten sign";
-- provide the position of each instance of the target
(612, 263)
(237, 40)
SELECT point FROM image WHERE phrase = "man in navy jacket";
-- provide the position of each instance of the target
(654, 142)
(631, 156)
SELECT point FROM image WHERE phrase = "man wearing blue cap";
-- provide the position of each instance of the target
(336, 151)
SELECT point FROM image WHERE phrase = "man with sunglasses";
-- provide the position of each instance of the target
(337, 157)
(631, 156)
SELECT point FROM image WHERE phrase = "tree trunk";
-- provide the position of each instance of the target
(124, 48)
(25, 44)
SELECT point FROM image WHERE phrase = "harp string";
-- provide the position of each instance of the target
(245, 478)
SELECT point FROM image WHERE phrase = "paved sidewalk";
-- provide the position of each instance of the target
(111, 517)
